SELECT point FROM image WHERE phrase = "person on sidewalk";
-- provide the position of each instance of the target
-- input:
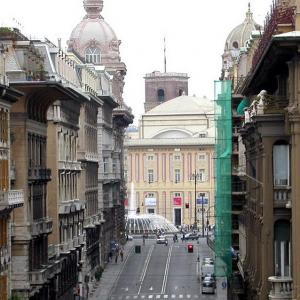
(117, 255)
(110, 255)
(121, 254)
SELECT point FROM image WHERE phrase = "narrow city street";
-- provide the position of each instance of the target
(161, 272)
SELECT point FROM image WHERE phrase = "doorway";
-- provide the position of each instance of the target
(177, 216)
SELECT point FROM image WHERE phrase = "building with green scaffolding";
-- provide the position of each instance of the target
(223, 153)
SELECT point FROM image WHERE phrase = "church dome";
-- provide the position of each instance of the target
(238, 37)
(93, 39)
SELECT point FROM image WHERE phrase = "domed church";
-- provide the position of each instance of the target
(236, 46)
(94, 41)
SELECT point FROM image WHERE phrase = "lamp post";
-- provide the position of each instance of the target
(202, 212)
(194, 177)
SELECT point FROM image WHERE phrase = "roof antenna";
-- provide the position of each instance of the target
(165, 58)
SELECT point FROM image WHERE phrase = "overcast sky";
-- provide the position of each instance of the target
(195, 32)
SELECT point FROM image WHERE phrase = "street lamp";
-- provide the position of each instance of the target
(202, 211)
(195, 176)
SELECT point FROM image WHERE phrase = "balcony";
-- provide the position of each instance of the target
(38, 277)
(81, 239)
(53, 269)
(282, 196)
(281, 287)
(39, 174)
(11, 199)
(63, 248)
(238, 188)
(69, 165)
(42, 226)
(88, 156)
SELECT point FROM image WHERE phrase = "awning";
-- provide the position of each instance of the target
(243, 104)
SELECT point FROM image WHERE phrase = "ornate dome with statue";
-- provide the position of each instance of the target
(93, 39)
(238, 36)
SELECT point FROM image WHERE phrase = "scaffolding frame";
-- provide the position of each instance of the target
(223, 154)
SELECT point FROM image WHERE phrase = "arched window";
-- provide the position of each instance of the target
(235, 44)
(161, 95)
(92, 55)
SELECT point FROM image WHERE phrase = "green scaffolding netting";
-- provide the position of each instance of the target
(223, 152)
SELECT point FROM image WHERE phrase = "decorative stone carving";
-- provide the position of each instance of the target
(114, 45)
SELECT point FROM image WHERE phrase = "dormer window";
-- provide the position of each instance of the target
(92, 55)
(161, 95)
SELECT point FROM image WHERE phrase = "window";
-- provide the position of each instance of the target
(177, 157)
(150, 195)
(177, 194)
(202, 175)
(150, 175)
(92, 55)
(177, 175)
(151, 211)
(281, 165)
(201, 156)
(150, 157)
(105, 165)
(161, 95)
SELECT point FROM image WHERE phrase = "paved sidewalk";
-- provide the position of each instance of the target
(103, 288)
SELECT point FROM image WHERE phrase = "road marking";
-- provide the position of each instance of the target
(135, 297)
(166, 296)
(150, 297)
(164, 284)
(180, 296)
(127, 297)
(173, 296)
(145, 268)
(157, 296)
(188, 296)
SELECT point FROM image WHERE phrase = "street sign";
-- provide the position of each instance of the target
(205, 200)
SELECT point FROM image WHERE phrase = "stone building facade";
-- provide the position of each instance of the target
(9, 198)
(175, 143)
(268, 260)
(66, 120)
(93, 40)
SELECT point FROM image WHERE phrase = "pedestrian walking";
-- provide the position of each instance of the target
(121, 254)
(117, 256)
(110, 255)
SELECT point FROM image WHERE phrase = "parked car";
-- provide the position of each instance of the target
(161, 240)
(208, 285)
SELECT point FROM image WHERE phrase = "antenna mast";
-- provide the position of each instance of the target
(165, 58)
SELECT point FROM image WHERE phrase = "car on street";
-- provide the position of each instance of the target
(161, 240)
(191, 236)
(208, 285)
(207, 261)
(129, 237)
